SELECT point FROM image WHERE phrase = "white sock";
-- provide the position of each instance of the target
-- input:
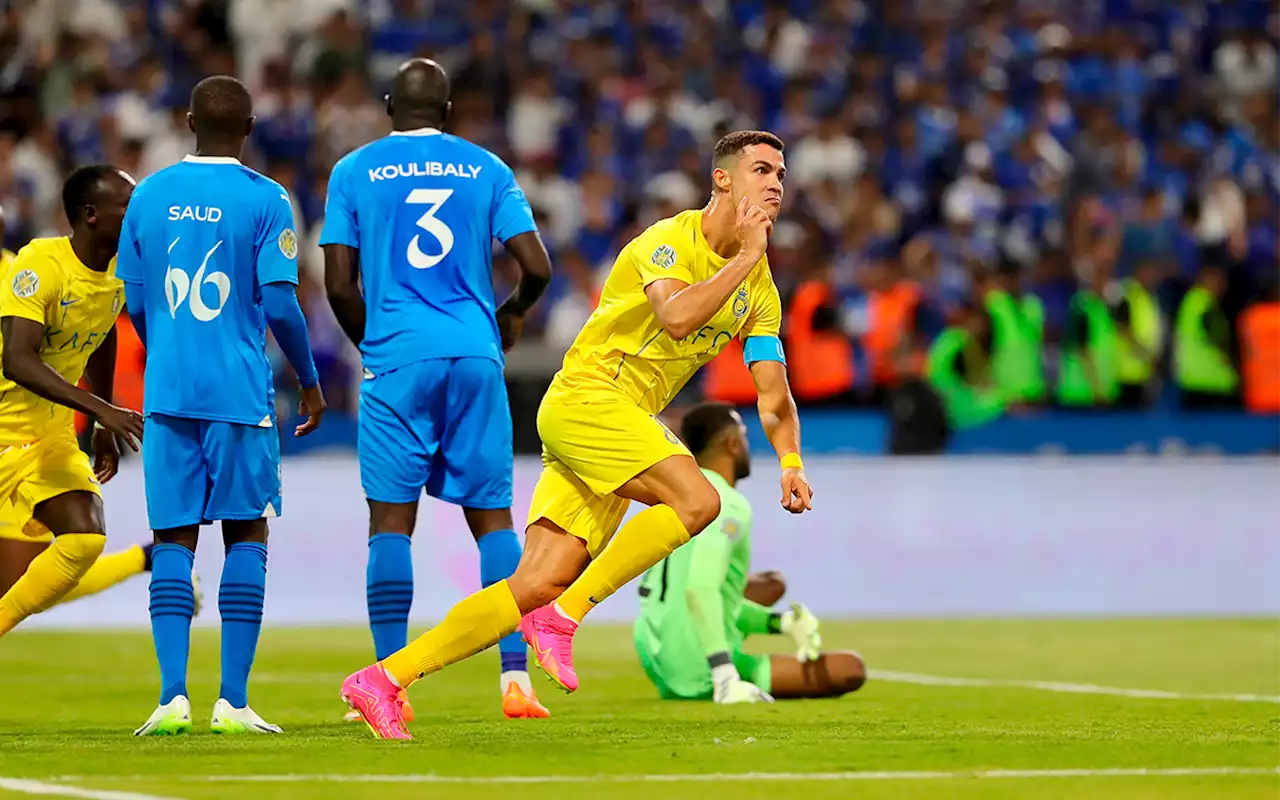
(390, 677)
(519, 677)
(560, 611)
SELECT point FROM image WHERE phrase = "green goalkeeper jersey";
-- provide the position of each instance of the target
(691, 601)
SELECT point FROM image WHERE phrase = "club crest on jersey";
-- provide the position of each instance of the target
(731, 528)
(26, 283)
(740, 303)
(664, 255)
(288, 242)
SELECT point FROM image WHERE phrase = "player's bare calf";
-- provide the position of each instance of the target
(830, 675)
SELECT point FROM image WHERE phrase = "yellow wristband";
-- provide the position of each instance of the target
(791, 460)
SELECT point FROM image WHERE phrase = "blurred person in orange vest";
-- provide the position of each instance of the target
(819, 352)
(896, 335)
(1259, 328)
(131, 363)
(726, 378)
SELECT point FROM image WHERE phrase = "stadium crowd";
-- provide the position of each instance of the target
(1069, 169)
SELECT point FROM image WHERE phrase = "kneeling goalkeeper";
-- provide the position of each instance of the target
(699, 604)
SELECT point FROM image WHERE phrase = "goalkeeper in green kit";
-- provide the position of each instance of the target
(700, 603)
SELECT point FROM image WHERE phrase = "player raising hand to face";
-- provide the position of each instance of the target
(677, 294)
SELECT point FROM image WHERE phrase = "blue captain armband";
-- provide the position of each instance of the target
(763, 348)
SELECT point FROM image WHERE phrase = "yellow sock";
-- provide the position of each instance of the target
(472, 625)
(107, 571)
(648, 538)
(50, 576)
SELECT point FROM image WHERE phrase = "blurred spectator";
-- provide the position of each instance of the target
(827, 154)
(570, 311)
(1202, 345)
(350, 118)
(1245, 64)
(535, 118)
(168, 143)
(1260, 347)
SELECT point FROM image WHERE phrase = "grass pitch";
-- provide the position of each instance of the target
(1032, 723)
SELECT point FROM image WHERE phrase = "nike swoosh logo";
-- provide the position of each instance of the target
(66, 303)
(544, 654)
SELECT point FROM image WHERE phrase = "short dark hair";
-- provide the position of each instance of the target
(221, 106)
(732, 144)
(81, 188)
(703, 423)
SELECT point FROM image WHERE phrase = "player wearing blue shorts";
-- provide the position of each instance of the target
(413, 216)
(209, 261)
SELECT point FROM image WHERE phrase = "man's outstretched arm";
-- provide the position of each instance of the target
(781, 421)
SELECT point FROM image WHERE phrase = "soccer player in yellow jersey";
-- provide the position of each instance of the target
(675, 296)
(58, 308)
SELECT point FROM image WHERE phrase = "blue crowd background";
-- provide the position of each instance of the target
(1030, 132)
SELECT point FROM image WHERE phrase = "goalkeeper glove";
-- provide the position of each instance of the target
(802, 626)
(730, 689)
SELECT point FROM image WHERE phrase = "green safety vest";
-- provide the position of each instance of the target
(1200, 364)
(967, 405)
(1074, 387)
(1018, 345)
(1136, 368)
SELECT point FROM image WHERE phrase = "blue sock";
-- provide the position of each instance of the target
(244, 583)
(389, 591)
(499, 555)
(173, 603)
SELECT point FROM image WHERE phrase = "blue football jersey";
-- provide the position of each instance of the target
(423, 208)
(201, 238)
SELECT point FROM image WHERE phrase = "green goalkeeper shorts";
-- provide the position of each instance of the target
(686, 675)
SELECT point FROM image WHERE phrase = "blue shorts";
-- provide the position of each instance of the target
(198, 471)
(443, 425)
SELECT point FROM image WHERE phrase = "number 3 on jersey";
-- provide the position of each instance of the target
(429, 222)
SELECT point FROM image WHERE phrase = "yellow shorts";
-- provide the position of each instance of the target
(589, 449)
(35, 472)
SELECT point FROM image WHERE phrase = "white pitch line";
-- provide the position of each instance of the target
(892, 676)
(1137, 772)
(888, 676)
(24, 786)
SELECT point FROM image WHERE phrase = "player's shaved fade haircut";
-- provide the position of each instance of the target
(221, 108)
(420, 89)
(82, 188)
(703, 424)
(731, 145)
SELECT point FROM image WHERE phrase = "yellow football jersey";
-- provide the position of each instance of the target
(6, 260)
(623, 348)
(77, 306)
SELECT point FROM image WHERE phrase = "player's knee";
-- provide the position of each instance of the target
(392, 518)
(699, 507)
(536, 592)
(81, 550)
(240, 531)
(848, 671)
(535, 587)
(772, 586)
